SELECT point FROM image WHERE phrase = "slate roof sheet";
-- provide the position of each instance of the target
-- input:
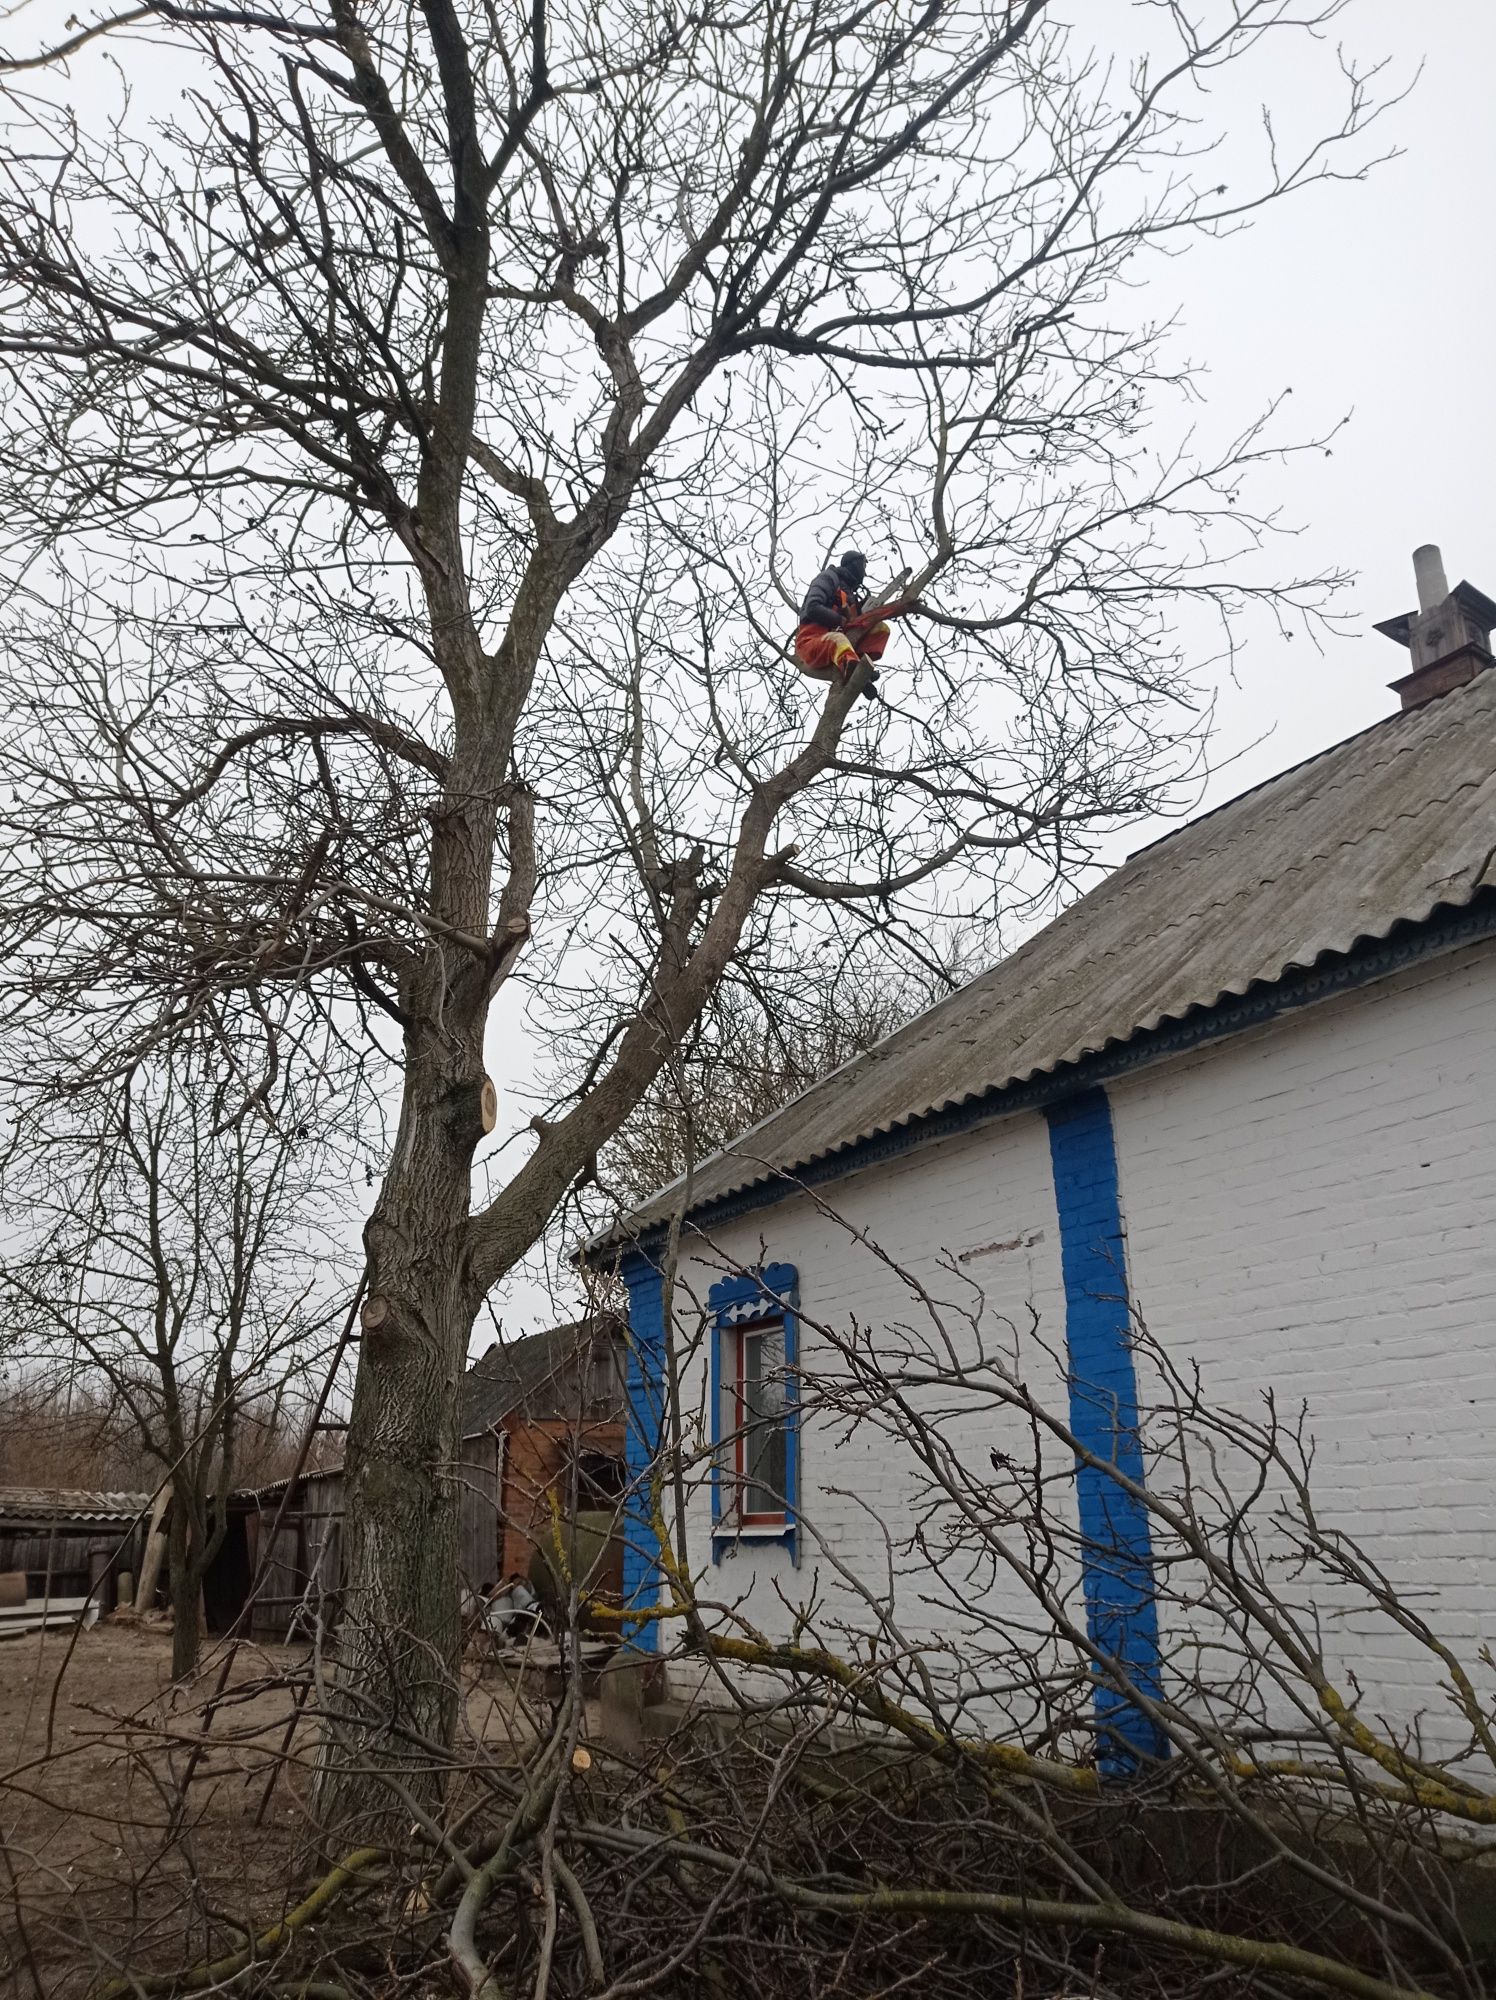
(52, 1503)
(1381, 830)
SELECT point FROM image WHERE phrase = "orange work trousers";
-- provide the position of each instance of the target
(823, 654)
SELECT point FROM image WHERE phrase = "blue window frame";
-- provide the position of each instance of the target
(755, 1355)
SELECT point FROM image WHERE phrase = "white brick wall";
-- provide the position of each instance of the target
(969, 1197)
(1310, 1206)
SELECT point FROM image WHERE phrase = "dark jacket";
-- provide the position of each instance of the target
(830, 601)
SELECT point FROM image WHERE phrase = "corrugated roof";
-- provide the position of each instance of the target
(1383, 829)
(53, 1503)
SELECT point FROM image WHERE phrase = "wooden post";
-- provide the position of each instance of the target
(101, 1574)
(155, 1550)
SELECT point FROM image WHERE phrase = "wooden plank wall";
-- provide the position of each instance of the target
(59, 1556)
(322, 1515)
(303, 1580)
(478, 1512)
(283, 1583)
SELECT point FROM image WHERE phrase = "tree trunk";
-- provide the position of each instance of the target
(184, 1585)
(395, 1693)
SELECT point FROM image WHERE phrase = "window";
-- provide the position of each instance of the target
(602, 1478)
(755, 1410)
(754, 1423)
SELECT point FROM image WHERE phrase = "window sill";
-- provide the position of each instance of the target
(730, 1541)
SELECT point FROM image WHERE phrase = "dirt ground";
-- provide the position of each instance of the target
(100, 1858)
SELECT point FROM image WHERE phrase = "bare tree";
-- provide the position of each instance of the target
(759, 1042)
(415, 441)
(172, 1267)
(71, 1429)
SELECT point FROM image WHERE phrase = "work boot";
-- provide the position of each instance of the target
(848, 665)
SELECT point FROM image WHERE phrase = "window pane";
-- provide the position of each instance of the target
(764, 1458)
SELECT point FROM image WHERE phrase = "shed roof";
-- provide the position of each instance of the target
(1383, 829)
(550, 1375)
(272, 1489)
(61, 1503)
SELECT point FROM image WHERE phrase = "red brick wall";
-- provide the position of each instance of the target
(535, 1456)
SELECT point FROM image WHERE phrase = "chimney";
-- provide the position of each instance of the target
(1449, 635)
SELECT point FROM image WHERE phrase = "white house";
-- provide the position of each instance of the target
(1242, 1095)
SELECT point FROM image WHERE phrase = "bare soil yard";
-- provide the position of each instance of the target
(98, 1850)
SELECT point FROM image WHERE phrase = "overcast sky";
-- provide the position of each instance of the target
(1372, 299)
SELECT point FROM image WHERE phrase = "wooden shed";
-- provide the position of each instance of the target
(69, 1543)
(543, 1421)
(544, 1418)
(303, 1571)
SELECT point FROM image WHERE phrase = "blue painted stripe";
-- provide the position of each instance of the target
(646, 1416)
(1117, 1556)
(715, 1426)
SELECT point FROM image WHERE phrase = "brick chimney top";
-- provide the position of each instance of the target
(1449, 635)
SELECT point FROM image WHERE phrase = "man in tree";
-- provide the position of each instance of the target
(834, 635)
